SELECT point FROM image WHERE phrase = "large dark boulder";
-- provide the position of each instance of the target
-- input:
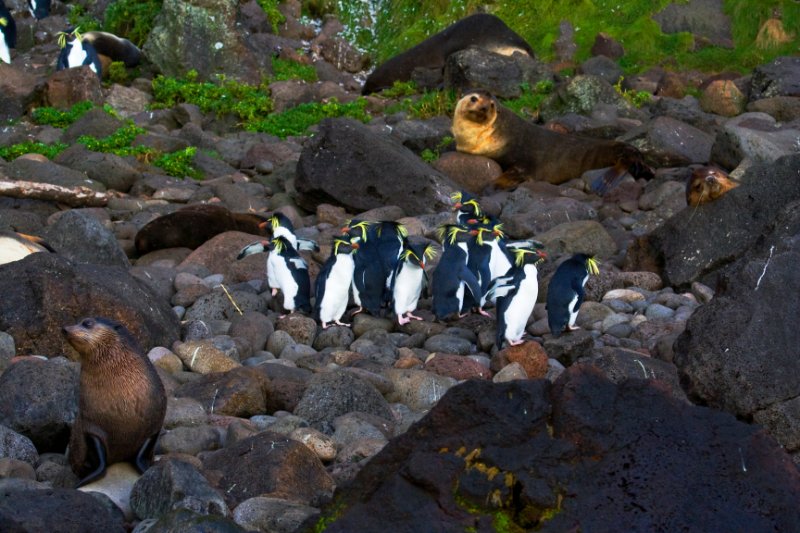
(583, 455)
(704, 19)
(346, 163)
(741, 351)
(56, 511)
(501, 75)
(781, 77)
(697, 241)
(44, 292)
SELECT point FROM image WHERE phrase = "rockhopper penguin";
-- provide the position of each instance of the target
(410, 280)
(565, 292)
(8, 33)
(452, 277)
(333, 282)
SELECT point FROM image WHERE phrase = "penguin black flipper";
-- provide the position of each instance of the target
(471, 282)
(319, 287)
(253, 248)
(498, 288)
(307, 245)
(299, 269)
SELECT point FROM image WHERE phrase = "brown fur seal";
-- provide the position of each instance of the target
(122, 402)
(481, 30)
(706, 184)
(525, 151)
(193, 225)
(15, 246)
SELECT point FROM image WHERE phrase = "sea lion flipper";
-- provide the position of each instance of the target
(145, 456)
(609, 179)
(98, 457)
(510, 178)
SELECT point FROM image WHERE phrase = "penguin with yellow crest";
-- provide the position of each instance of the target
(410, 280)
(333, 282)
(566, 292)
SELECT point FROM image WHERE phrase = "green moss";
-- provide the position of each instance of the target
(78, 17)
(527, 105)
(400, 89)
(57, 118)
(9, 153)
(248, 102)
(286, 69)
(297, 120)
(635, 98)
(400, 24)
(274, 15)
(179, 164)
(132, 19)
(117, 72)
(118, 143)
(427, 105)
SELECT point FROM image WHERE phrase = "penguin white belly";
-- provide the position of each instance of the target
(337, 285)
(272, 279)
(460, 295)
(281, 231)
(284, 279)
(498, 262)
(521, 307)
(573, 311)
(356, 294)
(77, 55)
(5, 54)
(407, 288)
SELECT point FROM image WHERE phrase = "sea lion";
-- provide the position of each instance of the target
(525, 151)
(706, 184)
(481, 30)
(193, 225)
(113, 47)
(121, 404)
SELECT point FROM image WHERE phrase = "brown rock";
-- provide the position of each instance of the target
(457, 366)
(70, 86)
(530, 355)
(17, 90)
(671, 85)
(470, 172)
(219, 253)
(202, 357)
(241, 392)
(301, 328)
(723, 98)
(605, 45)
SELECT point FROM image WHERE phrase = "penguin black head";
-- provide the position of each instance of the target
(467, 206)
(395, 227)
(279, 220)
(39, 8)
(418, 254)
(529, 256)
(357, 228)
(345, 245)
(8, 33)
(451, 234)
(588, 261)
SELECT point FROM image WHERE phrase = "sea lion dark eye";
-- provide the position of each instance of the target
(88, 323)
(473, 99)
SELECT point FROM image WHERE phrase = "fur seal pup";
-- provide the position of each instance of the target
(113, 47)
(481, 29)
(706, 184)
(525, 151)
(121, 404)
(193, 225)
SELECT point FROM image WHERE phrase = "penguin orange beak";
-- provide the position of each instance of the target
(541, 254)
(457, 206)
(472, 221)
(354, 245)
(262, 225)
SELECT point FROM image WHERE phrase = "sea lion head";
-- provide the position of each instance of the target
(706, 184)
(96, 338)
(477, 106)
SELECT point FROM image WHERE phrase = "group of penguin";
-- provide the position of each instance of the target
(384, 269)
(77, 49)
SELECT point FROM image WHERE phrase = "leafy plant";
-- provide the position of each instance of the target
(400, 89)
(117, 72)
(427, 105)
(528, 103)
(635, 98)
(133, 19)
(9, 153)
(118, 143)
(286, 69)
(179, 164)
(57, 118)
(297, 120)
(274, 15)
(78, 17)
(429, 156)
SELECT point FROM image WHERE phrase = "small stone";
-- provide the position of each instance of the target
(275, 515)
(322, 445)
(418, 389)
(301, 328)
(202, 357)
(625, 295)
(510, 372)
(164, 358)
(530, 355)
(457, 366)
(449, 344)
(704, 293)
(655, 311)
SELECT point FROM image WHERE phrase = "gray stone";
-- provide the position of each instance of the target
(189, 439)
(80, 237)
(418, 389)
(754, 136)
(449, 344)
(781, 77)
(16, 446)
(667, 142)
(273, 514)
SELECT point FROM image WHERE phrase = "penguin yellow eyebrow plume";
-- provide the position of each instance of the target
(591, 266)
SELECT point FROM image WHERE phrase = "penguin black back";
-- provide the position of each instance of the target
(565, 293)
(8, 33)
(39, 8)
(77, 53)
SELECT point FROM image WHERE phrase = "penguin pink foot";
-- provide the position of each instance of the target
(412, 316)
(483, 312)
(354, 313)
(573, 328)
(402, 320)
(274, 291)
(338, 323)
(516, 342)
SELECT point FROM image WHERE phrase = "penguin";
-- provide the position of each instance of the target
(288, 272)
(8, 33)
(15, 246)
(565, 292)
(283, 227)
(515, 295)
(369, 278)
(478, 255)
(452, 278)
(76, 53)
(333, 282)
(466, 207)
(410, 280)
(39, 8)
(390, 239)
(113, 47)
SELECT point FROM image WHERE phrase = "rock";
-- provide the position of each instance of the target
(781, 77)
(736, 353)
(190, 440)
(510, 372)
(70, 86)
(39, 401)
(80, 237)
(273, 514)
(321, 444)
(754, 136)
(687, 249)
(17, 91)
(184, 412)
(418, 389)
(116, 485)
(345, 164)
(16, 446)
(469, 172)
(582, 236)
(606, 45)
(619, 364)
(336, 393)
(334, 337)
(109, 169)
(173, 484)
(44, 292)
(781, 108)
(666, 142)
(128, 101)
(202, 357)
(668, 198)
(530, 355)
(253, 326)
(456, 366)
(723, 98)
(269, 464)
(569, 347)
(16, 469)
(40, 170)
(56, 510)
(241, 392)
(603, 67)
(462, 465)
(186, 521)
(450, 344)
(525, 215)
(704, 19)
(581, 94)
(501, 75)
(202, 36)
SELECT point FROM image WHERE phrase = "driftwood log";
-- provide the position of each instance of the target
(71, 196)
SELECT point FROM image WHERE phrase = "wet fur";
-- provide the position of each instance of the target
(706, 184)
(121, 400)
(525, 151)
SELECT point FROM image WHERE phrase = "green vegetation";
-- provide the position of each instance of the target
(78, 17)
(118, 143)
(9, 153)
(286, 69)
(57, 118)
(400, 89)
(400, 24)
(274, 15)
(635, 98)
(132, 19)
(528, 103)
(428, 104)
(429, 156)
(117, 72)
(297, 120)
(179, 164)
